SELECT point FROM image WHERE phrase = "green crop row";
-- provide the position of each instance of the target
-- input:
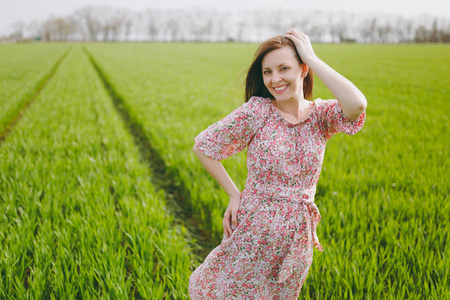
(383, 193)
(167, 97)
(79, 217)
(24, 70)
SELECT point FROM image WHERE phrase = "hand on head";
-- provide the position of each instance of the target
(302, 44)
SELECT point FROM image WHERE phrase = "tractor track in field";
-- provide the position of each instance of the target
(176, 194)
(37, 91)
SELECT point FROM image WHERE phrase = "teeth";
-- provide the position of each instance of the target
(279, 88)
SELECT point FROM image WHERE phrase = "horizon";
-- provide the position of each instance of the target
(27, 10)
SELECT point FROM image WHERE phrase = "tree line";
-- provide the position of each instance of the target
(94, 23)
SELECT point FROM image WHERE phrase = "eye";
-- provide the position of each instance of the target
(266, 71)
(284, 68)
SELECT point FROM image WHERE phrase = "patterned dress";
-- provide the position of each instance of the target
(270, 251)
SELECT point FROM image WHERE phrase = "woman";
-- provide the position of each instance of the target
(270, 227)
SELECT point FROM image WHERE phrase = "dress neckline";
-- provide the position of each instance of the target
(286, 121)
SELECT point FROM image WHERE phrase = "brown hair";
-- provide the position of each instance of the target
(254, 84)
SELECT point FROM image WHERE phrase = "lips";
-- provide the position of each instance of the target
(280, 89)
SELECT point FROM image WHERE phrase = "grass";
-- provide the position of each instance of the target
(79, 207)
(80, 217)
(24, 73)
(383, 193)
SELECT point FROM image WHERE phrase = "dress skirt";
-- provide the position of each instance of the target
(269, 254)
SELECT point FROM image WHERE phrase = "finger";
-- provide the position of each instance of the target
(292, 37)
(293, 32)
(234, 218)
(290, 33)
(226, 223)
(297, 34)
(227, 234)
(225, 230)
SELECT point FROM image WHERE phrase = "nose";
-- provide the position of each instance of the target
(276, 77)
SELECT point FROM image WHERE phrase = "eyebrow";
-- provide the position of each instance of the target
(285, 63)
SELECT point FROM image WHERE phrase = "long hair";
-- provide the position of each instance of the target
(254, 84)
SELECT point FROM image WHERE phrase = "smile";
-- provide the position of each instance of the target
(280, 89)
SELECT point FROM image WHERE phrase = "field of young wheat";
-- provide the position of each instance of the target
(101, 195)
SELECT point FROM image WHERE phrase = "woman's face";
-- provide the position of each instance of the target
(282, 74)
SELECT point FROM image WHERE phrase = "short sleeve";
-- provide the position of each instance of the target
(334, 121)
(233, 133)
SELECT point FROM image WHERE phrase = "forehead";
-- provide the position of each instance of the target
(279, 56)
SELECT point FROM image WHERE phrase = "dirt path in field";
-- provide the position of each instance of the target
(42, 84)
(176, 194)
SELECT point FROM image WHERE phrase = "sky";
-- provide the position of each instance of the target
(28, 10)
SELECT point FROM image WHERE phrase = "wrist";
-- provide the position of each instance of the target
(312, 62)
(235, 195)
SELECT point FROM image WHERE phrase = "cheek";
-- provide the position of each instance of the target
(296, 80)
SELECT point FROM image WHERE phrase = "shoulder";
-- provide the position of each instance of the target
(258, 104)
(256, 111)
(327, 107)
(261, 101)
(322, 104)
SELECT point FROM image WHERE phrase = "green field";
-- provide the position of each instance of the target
(101, 195)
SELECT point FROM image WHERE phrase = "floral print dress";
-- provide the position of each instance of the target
(270, 251)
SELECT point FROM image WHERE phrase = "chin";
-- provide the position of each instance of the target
(281, 98)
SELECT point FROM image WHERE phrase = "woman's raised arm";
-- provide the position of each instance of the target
(350, 98)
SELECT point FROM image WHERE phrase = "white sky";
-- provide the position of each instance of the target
(27, 10)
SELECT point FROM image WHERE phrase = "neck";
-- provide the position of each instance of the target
(294, 107)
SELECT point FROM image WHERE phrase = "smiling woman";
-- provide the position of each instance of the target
(283, 75)
(270, 227)
(257, 85)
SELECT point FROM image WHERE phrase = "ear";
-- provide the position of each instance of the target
(305, 70)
